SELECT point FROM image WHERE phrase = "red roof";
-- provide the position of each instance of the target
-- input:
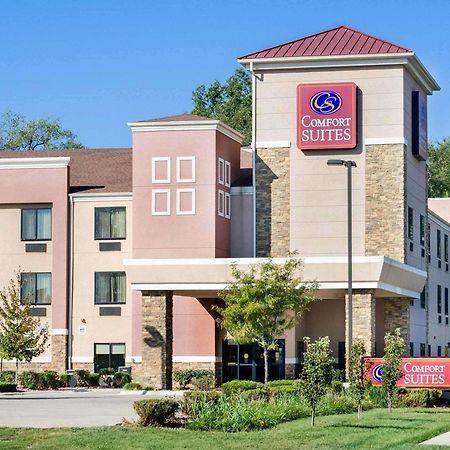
(341, 40)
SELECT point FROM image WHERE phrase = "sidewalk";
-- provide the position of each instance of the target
(442, 439)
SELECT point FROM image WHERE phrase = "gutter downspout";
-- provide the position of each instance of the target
(70, 324)
(254, 154)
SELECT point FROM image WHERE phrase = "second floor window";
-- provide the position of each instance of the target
(439, 299)
(438, 244)
(36, 288)
(422, 230)
(36, 224)
(110, 223)
(446, 247)
(110, 287)
(410, 223)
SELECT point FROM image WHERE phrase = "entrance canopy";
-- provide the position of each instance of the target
(204, 277)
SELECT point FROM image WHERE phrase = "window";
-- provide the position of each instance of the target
(438, 244)
(429, 350)
(227, 174)
(422, 349)
(36, 288)
(110, 287)
(36, 224)
(439, 299)
(446, 301)
(422, 230)
(411, 349)
(422, 299)
(446, 247)
(110, 223)
(439, 350)
(428, 242)
(109, 356)
(410, 223)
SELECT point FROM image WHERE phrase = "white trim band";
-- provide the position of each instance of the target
(102, 197)
(197, 359)
(291, 360)
(58, 162)
(59, 332)
(83, 359)
(273, 144)
(187, 125)
(133, 359)
(387, 140)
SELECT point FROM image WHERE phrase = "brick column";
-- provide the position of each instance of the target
(396, 315)
(157, 340)
(363, 309)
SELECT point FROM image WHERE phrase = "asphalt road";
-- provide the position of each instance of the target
(74, 408)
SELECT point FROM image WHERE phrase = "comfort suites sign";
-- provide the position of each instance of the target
(416, 372)
(326, 115)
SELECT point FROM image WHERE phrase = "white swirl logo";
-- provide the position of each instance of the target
(377, 373)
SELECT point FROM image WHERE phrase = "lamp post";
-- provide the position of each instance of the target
(349, 328)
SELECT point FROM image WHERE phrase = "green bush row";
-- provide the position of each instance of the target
(8, 376)
(155, 412)
(202, 379)
(404, 397)
(137, 387)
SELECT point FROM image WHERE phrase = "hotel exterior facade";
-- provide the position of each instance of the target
(123, 251)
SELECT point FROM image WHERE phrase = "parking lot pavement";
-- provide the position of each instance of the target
(74, 408)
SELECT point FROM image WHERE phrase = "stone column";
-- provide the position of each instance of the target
(396, 315)
(272, 202)
(363, 309)
(157, 340)
(59, 352)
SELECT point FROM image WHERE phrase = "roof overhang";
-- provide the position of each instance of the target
(205, 277)
(57, 162)
(186, 125)
(410, 60)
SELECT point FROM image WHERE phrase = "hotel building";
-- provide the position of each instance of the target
(123, 251)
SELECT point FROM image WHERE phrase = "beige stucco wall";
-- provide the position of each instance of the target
(88, 260)
(317, 192)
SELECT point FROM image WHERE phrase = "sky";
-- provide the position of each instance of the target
(98, 64)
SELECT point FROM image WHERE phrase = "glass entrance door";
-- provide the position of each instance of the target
(246, 361)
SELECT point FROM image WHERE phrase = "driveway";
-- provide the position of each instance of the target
(68, 408)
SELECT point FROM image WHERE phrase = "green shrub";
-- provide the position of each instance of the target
(185, 377)
(337, 387)
(238, 386)
(155, 412)
(49, 379)
(8, 387)
(64, 380)
(82, 378)
(149, 388)
(337, 375)
(108, 371)
(194, 401)
(283, 383)
(261, 393)
(418, 397)
(30, 380)
(8, 376)
(133, 387)
(377, 396)
(121, 379)
(92, 379)
(204, 382)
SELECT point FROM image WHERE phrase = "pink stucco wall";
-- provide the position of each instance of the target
(28, 186)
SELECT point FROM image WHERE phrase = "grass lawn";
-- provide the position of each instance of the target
(377, 429)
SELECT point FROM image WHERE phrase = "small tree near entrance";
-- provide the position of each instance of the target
(394, 348)
(22, 336)
(357, 372)
(316, 372)
(263, 303)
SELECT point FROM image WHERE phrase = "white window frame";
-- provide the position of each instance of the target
(154, 161)
(185, 213)
(227, 198)
(221, 173)
(185, 158)
(160, 213)
(227, 170)
(220, 203)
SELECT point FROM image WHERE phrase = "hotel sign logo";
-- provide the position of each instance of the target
(415, 372)
(326, 116)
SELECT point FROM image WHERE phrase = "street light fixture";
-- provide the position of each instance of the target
(349, 164)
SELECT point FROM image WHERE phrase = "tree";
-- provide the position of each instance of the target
(439, 169)
(357, 372)
(23, 337)
(18, 133)
(317, 367)
(261, 304)
(230, 102)
(394, 348)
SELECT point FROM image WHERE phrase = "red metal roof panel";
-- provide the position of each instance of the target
(341, 40)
